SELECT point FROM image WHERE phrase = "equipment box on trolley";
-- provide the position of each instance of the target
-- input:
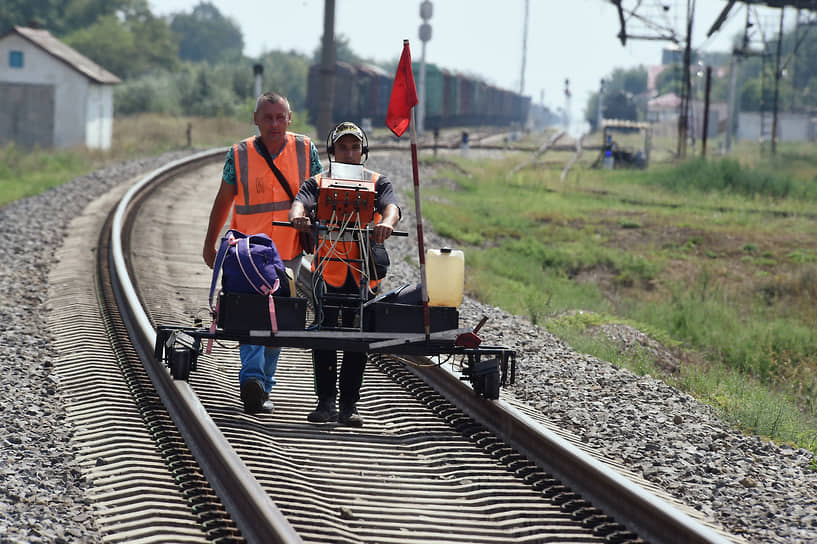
(408, 318)
(246, 312)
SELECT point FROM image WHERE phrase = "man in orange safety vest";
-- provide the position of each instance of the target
(260, 177)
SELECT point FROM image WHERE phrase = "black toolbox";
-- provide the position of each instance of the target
(408, 318)
(244, 312)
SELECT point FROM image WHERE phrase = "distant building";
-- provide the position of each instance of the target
(672, 55)
(664, 110)
(791, 127)
(52, 96)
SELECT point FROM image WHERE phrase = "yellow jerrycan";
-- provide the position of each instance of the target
(445, 276)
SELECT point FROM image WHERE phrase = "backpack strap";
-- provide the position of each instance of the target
(226, 242)
(271, 302)
(222, 253)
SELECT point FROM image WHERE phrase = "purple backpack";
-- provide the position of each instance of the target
(249, 264)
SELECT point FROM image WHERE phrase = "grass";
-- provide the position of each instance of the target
(714, 257)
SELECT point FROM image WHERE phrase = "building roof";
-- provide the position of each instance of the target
(665, 101)
(624, 123)
(72, 57)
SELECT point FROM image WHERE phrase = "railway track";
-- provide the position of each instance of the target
(434, 463)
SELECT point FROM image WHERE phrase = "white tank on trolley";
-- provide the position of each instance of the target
(445, 275)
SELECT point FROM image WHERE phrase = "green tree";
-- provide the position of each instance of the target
(78, 14)
(27, 12)
(343, 52)
(807, 95)
(129, 46)
(630, 80)
(156, 44)
(620, 91)
(207, 35)
(670, 80)
(109, 43)
(62, 17)
(750, 95)
(286, 73)
(620, 105)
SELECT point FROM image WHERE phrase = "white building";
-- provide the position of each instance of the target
(664, 110)
(791, 127)
(51, 95)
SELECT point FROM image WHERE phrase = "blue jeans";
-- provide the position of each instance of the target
(260, 362)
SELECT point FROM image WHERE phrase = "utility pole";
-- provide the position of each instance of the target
(258, 71)
(777, 75)
(524, 47)
(683, 117)
(794, 60)
(600, 108)
(734, 67)
(731, 112)
(705, 133)
(327, 70)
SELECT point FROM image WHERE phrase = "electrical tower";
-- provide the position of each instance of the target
(663, 20)
(645, 20)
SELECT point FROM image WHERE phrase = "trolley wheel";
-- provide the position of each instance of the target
(180, 364)
(478, 384)
(491, 385)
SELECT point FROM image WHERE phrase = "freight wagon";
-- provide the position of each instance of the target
(452, 99)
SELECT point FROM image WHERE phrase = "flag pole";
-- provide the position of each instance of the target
(418, 212)
(401, 113)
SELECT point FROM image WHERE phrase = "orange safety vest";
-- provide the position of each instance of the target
(260, 198)
(334, 272)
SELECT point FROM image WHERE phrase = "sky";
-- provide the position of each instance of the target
(573, 40)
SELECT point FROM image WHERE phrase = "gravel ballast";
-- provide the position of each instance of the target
(760, 491)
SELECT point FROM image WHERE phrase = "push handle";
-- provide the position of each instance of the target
(324, 228)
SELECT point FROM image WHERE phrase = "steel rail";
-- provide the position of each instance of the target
(252, 509)
(260, 520)
(640, 511)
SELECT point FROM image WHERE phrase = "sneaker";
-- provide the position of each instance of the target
(348, 415)
(255, 399)
(324, 412)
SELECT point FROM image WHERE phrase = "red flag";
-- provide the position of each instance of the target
(403, 95)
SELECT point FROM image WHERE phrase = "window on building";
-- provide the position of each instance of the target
(16, 59)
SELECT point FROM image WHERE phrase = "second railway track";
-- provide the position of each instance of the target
(422, 469)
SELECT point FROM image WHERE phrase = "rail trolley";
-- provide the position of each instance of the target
(383, 324)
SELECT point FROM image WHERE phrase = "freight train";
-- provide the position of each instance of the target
(452, 99)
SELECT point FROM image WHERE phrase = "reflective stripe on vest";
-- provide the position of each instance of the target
(260, 199)
(334, 272)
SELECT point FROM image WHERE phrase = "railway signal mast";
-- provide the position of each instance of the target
(426, 10)
(568, 96)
